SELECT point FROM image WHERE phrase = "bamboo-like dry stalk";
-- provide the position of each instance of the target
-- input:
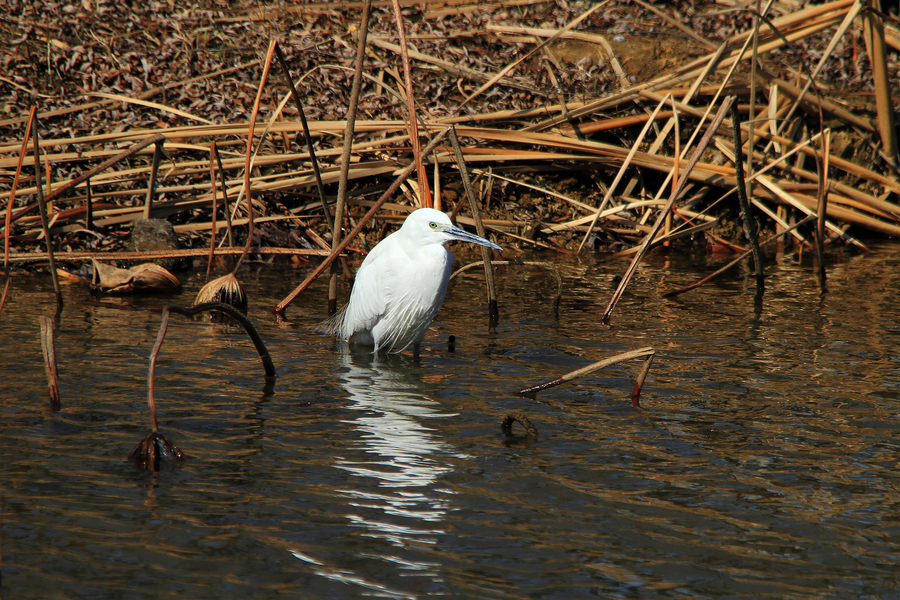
(349, 130)
(885, 106)
(600, 364)
(648, 239)
(48, 345)
(493, 310)
(413, 123)
(750, 229)
(154, 174)
(42, 209)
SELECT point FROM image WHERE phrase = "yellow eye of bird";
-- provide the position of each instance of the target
(433, 225)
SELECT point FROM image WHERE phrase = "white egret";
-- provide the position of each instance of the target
(401, 284)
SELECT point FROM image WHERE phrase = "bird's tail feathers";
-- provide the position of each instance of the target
(333, 325)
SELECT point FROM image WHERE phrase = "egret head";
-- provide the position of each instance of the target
(430, 226)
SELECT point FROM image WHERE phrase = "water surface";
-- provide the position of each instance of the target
(763, 465)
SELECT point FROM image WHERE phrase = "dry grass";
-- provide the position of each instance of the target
(192, 73)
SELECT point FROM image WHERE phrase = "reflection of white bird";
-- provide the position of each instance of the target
(401, 284)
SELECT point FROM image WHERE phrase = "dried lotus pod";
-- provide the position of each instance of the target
(155, 451)
(147, 277)
(225, 289)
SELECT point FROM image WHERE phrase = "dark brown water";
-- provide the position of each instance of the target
(764, 465)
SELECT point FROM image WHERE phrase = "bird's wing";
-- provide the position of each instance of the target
(368, 298)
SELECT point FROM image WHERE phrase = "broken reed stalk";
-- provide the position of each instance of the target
(12, 192)
(625, 164)
(48, 345)
(737, 260)
(88, 208)
(884, 105)
(158, 152)
(254, 113)
(751, 121)
(639, 382)
(225, 208)
(822, 205)
(349, 130)
(424, 193)
(600, 364)
(493, 310)
(215, 208)
(514, 416)
(307, 137)
(42, 209)
(751, 232)
(5, 293)
(65, 187)
(648, 239)
(12, 198)
(359, 226)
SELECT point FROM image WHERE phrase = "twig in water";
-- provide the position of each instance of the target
(648, 239)
(42, 209)
(641, 353)
(48, 345)
(822, 204)
(750, 229)
(517, 416)
(493, 311)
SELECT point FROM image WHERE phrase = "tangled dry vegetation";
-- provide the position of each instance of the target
(547, 96)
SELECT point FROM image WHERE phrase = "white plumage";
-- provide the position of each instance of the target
(401, 284)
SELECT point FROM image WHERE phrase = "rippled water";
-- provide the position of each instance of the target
(763, 465)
